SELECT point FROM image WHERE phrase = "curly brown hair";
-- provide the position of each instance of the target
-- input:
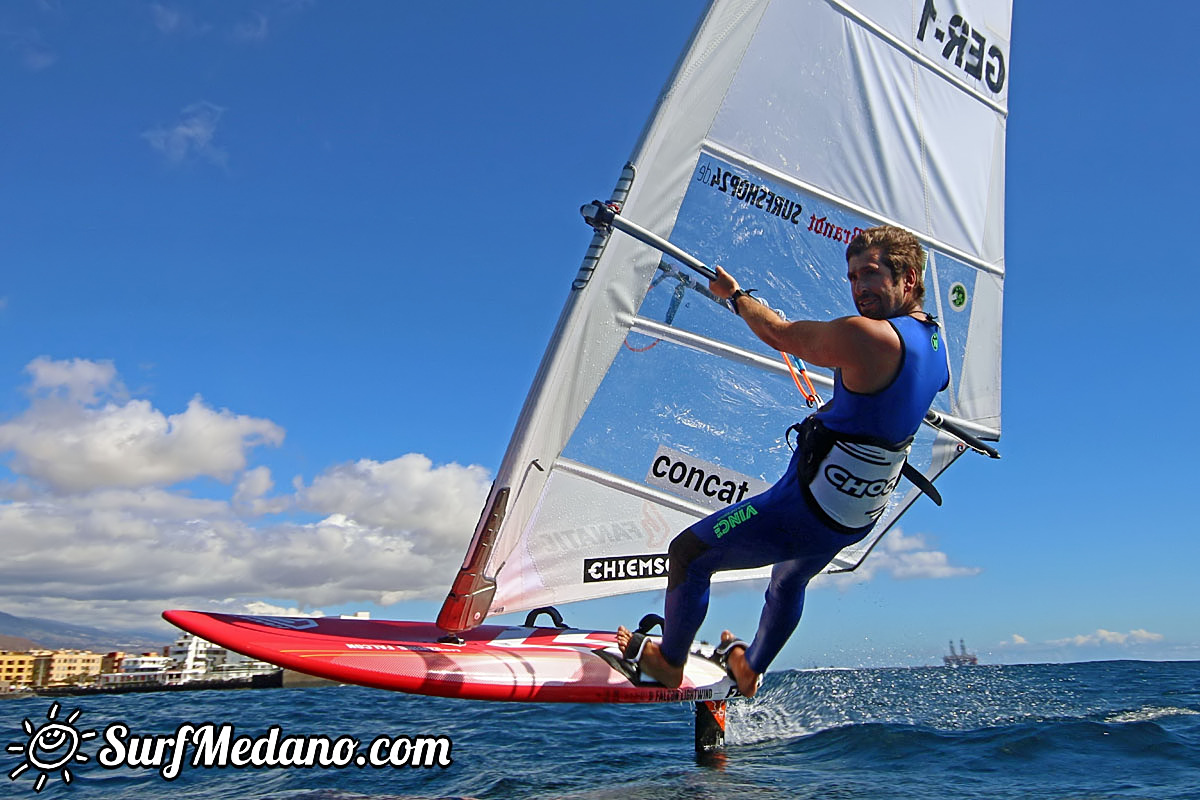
(900, 251)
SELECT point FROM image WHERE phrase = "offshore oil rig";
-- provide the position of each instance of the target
(959, 659)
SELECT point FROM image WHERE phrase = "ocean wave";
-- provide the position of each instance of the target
(1119, 731)
(1151, 713)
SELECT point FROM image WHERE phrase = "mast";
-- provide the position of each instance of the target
(600, 294)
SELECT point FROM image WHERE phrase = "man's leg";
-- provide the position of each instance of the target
(758, 539)
(683, 611)
(743, 674)
(780, 615)
(782, 609)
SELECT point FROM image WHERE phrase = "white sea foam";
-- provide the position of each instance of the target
(1150, 713)
(751, 722)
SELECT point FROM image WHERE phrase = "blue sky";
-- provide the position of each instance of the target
(276, 277)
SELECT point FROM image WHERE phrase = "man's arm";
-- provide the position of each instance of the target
(866, 350)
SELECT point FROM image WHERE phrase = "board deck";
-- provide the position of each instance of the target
(491, 662)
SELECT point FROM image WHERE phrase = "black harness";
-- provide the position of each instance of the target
(815, 442)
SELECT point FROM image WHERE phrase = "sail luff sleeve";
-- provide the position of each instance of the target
(588, 335)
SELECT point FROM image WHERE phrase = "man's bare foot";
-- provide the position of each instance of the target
(652, 662)
(745, 677)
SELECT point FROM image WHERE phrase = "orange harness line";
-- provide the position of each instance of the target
(810, 394)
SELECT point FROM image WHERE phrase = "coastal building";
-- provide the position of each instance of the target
(198, 659)
(146, 662)
(16, 670)
(64, 667)
(111, 662)
(188, 660)
(141, 670)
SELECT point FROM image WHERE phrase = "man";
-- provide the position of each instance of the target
(888, 364)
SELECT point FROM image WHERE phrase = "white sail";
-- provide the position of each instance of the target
(787, 125)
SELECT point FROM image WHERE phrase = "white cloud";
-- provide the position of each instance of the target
(402, 494)
(30, 49)
(172, 20)
(79, 380)
(904, 558)
(1100, 644)
(100, 535)
(191, 137)
(271, 610)
(72, 439)
(167, 20)
(250, 497)
(160, 549)
(251, 30)
(1105, 637)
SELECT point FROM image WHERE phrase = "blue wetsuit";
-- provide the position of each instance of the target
(781, 526)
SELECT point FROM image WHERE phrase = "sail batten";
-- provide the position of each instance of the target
(631, 488)
(717, 348)
(734, 157)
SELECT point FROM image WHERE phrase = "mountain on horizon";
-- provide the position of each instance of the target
(17, 644)
(54, 635)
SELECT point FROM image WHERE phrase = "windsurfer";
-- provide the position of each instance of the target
(888, 366)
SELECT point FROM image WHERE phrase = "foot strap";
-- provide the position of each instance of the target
(721, 656)
(721, 653)
(633, 650)
(637, 640)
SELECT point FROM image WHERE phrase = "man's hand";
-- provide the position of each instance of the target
(723, 285)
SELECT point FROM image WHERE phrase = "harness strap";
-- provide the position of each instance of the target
(919, 480)
(817, 440)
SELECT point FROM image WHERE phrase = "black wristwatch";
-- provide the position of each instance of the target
(733, 298)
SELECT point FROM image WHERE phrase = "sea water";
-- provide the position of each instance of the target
(1114, 729)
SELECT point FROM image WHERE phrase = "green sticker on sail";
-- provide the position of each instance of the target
(958, 296)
